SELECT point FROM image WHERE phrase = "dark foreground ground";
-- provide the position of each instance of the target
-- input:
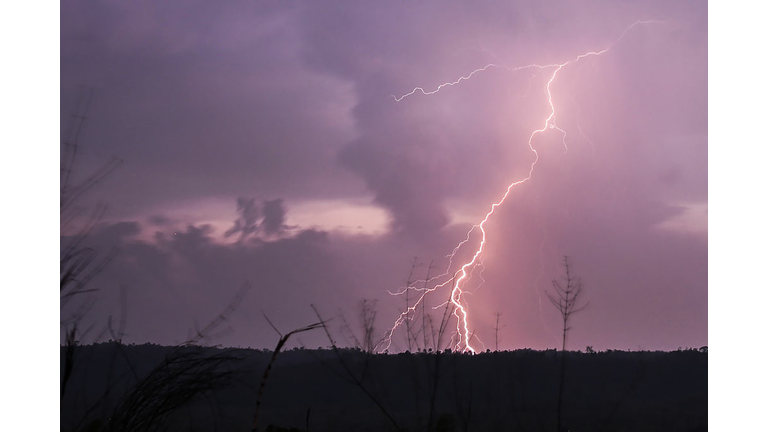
(150, 387)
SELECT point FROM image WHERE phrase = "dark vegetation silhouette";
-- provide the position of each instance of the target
(280, 343)
(310, 390)
(362, 379)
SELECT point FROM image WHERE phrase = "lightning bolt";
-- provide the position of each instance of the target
(463, 337)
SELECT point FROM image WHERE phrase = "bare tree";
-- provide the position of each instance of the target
(367, 342)
(424, 315)
(368, 321)
(565, 299)
(408, 284)
(496, 329)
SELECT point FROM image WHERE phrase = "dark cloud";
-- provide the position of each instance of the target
(267, 216)
(247, 223)
(274, 217)
(159, 220)
(184, 276)
(121, 230)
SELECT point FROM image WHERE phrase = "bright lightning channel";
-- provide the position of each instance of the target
(463, 336)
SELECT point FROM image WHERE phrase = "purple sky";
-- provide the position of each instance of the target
(262, 144)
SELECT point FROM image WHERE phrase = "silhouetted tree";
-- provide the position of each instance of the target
(496, 329)
(565, 299)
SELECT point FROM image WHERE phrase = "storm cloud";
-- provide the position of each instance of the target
(262, 144)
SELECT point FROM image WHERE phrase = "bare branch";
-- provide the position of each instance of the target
(221, 318)
(278, 347)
